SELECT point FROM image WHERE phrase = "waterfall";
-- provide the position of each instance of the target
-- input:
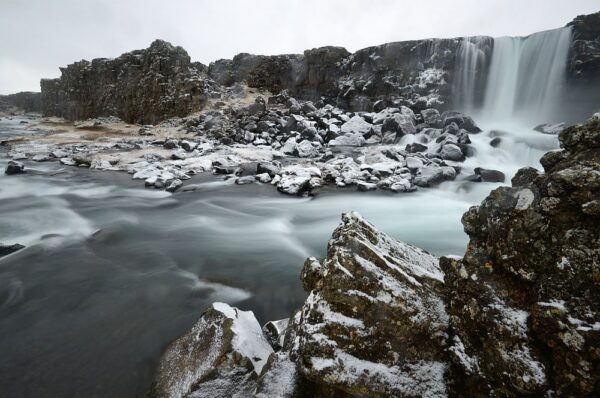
(526, 78)
(470, 67)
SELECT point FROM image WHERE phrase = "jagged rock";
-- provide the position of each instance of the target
(343, 342)
(532, 303)
(14, 168)
(222, 356)
(5, 250)
(140, 86)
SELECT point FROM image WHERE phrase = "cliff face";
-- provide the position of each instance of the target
(519, 315)
(161, 82)
(24, 101)
(142, 86)
(524, 301)
(583, 69)
(414, 70)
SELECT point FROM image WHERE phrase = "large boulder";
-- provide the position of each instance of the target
(222, 356)
(374, 323)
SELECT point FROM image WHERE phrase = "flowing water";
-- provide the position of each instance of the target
(526, 78)
(113, 272)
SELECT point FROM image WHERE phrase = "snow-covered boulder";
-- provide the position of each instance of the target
(350, 139)
(222, 356)
(357, 124)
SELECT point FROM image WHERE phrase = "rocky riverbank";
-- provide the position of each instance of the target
(297, 146)
(517, 315)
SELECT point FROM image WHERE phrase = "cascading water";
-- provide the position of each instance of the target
(526, 78)
(471, 62)
(509, 90)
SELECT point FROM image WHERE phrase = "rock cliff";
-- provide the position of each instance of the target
(143, 86)
(160, 82)
(21, 102)
(518, 315)
(583, 71)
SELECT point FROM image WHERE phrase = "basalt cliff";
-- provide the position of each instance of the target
(517, 316)
(147, 86)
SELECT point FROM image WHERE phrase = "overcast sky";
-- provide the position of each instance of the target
(38, 36)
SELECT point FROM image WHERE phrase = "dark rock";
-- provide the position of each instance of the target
(462, 121)
(415, 147)
(490, 175)
(224, 353)
(143, 86)
(524, 176)
(495, 142)
(5, 250)
(25, 101)
(14, 168)
(524, 297)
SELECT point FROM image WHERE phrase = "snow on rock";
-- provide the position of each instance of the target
(356, 124)
(367, 277)
(222, 356)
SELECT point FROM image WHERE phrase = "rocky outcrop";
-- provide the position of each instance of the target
(143, 86)
(519, 315)
(584, 60)
(524, 301)
(583, 68)
(25, 101)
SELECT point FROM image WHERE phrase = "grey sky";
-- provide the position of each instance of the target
(38, 36)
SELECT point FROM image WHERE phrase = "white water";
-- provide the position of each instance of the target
(472, 55)
(526, 78)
